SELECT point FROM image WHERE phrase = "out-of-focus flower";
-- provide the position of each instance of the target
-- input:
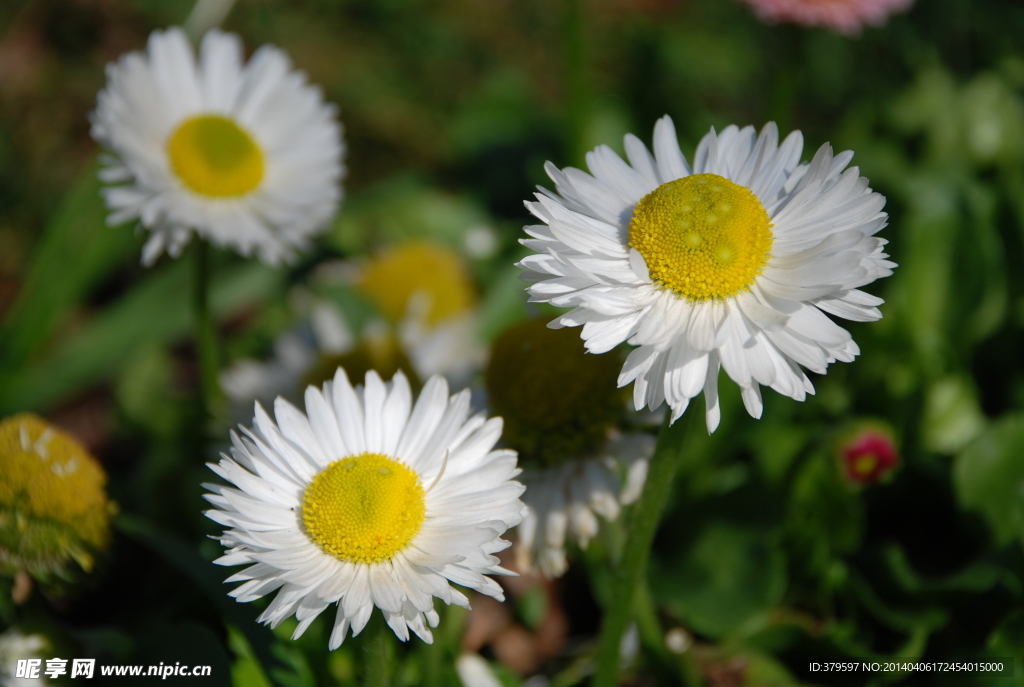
(245, 155)
(844, 16)
(14, 647)
(53, 506)
(370, 500)
(474, 671)
(308, 355)
(731, 263)
(868, 453)
(425, 290)
(561, 410)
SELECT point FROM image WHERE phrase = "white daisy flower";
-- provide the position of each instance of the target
(564, 501)
(561, 411)
(731, 262)
(426, 291)
(245, 155)
(371, 500)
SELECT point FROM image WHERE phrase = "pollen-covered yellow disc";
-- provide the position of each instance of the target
(702, 236)
(364, 508)
(53, 505)
(215, 157)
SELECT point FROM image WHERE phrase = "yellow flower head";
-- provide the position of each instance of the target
(53, 506)
(423, 270)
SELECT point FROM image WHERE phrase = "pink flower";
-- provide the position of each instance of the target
(844, 16)
(868, 455)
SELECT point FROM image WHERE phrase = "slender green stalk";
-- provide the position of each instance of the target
(577, 83)
(640, 535)
(376, 648)
(206, 336)
(433, 661)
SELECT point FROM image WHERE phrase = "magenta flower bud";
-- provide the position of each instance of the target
(868, 454)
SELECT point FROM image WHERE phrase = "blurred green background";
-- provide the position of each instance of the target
(767, 558)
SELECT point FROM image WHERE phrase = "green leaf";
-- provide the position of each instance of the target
(826, 516)
(156, 311)
(246, 671)
(989, 476)
(952, 415)
(730, 577)
(77, 250)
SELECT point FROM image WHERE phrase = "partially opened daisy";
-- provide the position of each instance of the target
(564, 417)
(731, 262)
(245, 155)
(369, 500)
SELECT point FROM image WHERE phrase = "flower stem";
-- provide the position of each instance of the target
(376, 648)
(577, 84)
(640, 535)
(206, 337)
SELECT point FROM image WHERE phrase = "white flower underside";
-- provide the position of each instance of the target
(148, 96)
(471, 500)
(824, 222)
(564, 501)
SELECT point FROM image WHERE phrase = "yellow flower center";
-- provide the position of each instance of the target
(865, 465)
(431, 271)
(702, 236)
(557, 402)
(364, 508)
(53, 506)
(215, 157)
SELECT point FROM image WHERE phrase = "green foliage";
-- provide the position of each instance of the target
(989, 477)
(727, 581)
(766, 557)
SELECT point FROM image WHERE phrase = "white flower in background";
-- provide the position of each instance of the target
(370, 500)
(561, 410)
(297, 351)
(474, 671)
(731, 262)
(14, 647)
(425, 291)
(246, 155)
(308, 354)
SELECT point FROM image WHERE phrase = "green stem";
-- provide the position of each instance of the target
(433, 661)
(577, 85)
(642, 526)
(376, 648)
(647, 623)
(206, 336)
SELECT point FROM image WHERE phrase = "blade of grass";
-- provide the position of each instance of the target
(77, 251)
(156, 311)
